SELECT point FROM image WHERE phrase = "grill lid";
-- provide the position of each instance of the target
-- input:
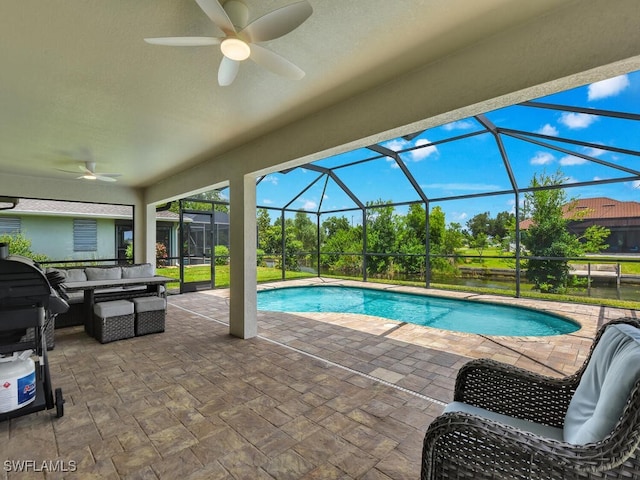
(22, 284)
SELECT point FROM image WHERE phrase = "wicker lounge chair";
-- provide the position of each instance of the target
(506, 422)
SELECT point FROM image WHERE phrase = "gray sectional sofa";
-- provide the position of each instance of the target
(126, 281)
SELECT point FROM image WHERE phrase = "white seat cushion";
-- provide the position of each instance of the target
(145, 270)
(525, 425)
(149, 304)
(103, 273)
(116, 308)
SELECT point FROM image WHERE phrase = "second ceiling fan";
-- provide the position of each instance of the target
(240, 40)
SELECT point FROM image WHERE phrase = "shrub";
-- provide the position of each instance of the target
(222, 255)
(161, 255)
(21, 245)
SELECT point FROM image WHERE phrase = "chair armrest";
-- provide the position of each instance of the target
(460, 445)
(514, 391)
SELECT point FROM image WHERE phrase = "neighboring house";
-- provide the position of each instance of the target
(82, 231)
(622, 218)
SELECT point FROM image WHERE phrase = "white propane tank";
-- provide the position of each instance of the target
(17, 381)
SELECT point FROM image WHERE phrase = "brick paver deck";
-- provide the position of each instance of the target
(314, 396)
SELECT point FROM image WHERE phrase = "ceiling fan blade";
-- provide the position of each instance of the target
(67, 171)
(275, 63)
(183, 41)
(237, 12)
(112, 175)
(216, 13)
(278, 22)
(227, 71)
(102, 178)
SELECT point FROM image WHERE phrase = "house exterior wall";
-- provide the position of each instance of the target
(53, 237)
(624, 237)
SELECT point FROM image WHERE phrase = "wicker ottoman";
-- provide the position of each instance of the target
(150, 314)
(113, 320)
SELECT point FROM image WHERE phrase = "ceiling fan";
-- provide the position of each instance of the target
(240, 40)
(88, 172)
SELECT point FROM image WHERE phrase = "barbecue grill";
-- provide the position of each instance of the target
(27, 302)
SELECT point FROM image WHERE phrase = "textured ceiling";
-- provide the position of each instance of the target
(77, 80)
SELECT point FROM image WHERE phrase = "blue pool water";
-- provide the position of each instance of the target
(449, 314)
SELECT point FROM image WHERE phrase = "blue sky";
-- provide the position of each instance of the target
(474, 165)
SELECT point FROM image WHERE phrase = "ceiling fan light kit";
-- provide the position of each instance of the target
(240, 40)
(235, 49)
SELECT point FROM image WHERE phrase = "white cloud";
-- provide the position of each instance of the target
(267, 201)
(594, 152)
(577, 120)
(396, 144)
(459, 217)
(459, 125)
(635, 184)
(416, 155)
(607, 88)
(272, 179)
(308, 204)
(548, 129)
(424, 152)
(569, 160)
(542, 158)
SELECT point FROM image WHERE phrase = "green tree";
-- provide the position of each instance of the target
(21, 245)
(416, 220)
(437, 228)
(453, 239)
(594, 239)
(210, 196)
(480, 223)
(271, 243)
(263, 222)
(499, 226)
(548, 235)
(381, 237)
(342, 246)
(479, 242)
(305, 231)
(332, 225)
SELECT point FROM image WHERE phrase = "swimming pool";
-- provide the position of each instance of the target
(438, 312)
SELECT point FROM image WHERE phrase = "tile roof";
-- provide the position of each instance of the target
(597, 208)
(605, 207)
(30, 206)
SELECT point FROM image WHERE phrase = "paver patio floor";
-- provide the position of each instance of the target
(314, 396)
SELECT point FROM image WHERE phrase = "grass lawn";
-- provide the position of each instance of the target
(507, 261)
(202, 273)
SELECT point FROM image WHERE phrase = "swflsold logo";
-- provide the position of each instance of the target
(43, 466)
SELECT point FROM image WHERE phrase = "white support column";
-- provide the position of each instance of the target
(144, 234)
(243, 305)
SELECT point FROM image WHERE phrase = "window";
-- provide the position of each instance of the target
(85, 235)
(9, 225)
